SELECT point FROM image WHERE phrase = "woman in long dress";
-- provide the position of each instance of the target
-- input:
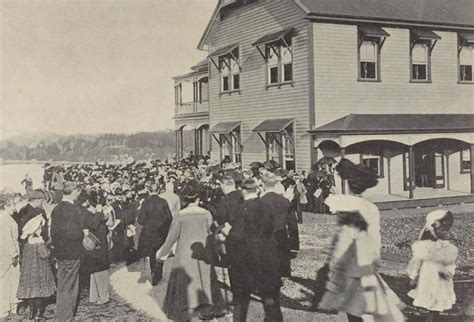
(9, 268)
(355, 289)
(192, 287)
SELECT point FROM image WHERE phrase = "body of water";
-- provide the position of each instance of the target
(11, 175)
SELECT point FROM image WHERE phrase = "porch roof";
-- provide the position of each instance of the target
(398, 123)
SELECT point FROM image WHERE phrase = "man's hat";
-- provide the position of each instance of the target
(35, 195)
(69, 187)
(248, 184)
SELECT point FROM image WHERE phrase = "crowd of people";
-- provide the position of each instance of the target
(89, 216)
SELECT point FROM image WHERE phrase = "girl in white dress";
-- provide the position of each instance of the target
(431, 269)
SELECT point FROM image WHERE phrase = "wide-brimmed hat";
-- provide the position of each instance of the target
(360, 174)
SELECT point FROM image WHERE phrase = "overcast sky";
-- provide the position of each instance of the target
(95, 66)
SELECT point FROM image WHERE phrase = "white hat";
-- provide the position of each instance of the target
(31, 226)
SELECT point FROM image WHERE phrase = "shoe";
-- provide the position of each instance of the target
(156, 279)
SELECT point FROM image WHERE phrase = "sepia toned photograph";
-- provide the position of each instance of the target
(237, 160)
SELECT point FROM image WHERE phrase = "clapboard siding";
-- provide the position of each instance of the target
(255, 102)
(338, 92)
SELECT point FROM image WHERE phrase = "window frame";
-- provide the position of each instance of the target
(230, 58)
(429, 43)
(372, 154)
(378, 77)
(461, 161)
(277, 47)
(461, 47)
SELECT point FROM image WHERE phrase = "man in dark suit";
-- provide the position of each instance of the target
(284, 221)
(67, 235)
(253, 256)
(226, 211)
(155, 217)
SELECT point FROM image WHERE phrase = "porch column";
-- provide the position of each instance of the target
(176, 143)
(181, 147)
(472, 167)
(411, 173)
(196, 144)
(343, 182)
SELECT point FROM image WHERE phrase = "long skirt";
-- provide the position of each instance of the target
(36, 277)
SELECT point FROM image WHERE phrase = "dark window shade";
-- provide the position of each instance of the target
(225, 83)
(288, 72)
(419, 72)
(236, 81)
(368, 70)
(466, 73)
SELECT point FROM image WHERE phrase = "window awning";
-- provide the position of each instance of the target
(422, 34)
(373, 31)
(225, 127)
(223, 50)
(275, 125)
(467, 38)
(275, 36)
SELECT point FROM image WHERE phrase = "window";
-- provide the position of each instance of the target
(420, 62)
(465, 161)
(230, 146)
(371, 40)
(279, 58)
(230, 71)
(466, 60)
(368, 54)
(204, 90)
(374, 161)
(422, 43)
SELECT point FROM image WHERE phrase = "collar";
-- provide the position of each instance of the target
(68, 199)
(251, 196)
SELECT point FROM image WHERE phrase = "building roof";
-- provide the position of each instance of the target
(437, 12)
(398, 123)
(203, 64)
(273, 125)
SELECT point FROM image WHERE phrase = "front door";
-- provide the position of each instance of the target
(439, 181)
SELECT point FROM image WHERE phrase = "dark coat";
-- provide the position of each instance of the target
(66, 231)
(284, 220)
(252, 251)
(228, 205)
(98, 259)
(155, 217)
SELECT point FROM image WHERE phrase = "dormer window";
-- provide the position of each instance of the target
(466, 57)
(371, 40)
(422, 43)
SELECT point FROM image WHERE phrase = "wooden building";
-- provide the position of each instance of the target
(387, 83)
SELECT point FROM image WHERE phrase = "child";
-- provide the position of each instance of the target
(432, 267)
(36, 277)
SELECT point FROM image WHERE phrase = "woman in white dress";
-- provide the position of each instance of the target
(9, 268)
(355, 289)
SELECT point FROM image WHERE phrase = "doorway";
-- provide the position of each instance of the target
(429, 169)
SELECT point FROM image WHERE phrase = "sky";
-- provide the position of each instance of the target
(95, 66)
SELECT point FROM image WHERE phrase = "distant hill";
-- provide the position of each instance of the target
(94, 147)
